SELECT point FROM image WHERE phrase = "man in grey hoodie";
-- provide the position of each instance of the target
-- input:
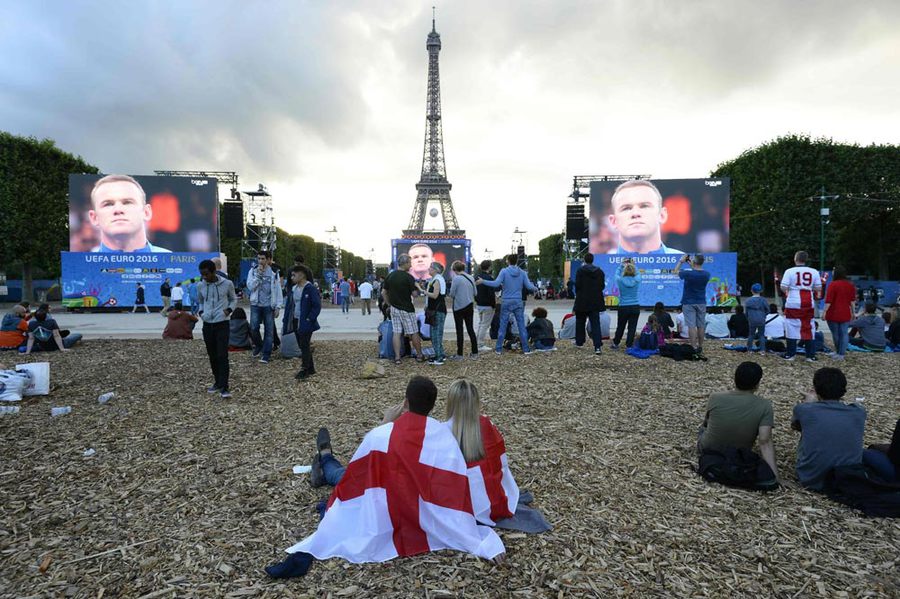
(217, 301)
(512, 280)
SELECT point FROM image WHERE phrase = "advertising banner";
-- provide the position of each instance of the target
(143, 214)
(425, 251)
(659, 216)
(101, 280)
(660, 281)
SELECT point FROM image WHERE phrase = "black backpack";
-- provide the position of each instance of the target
(735, 467)
(648, 340)
(862, 489)
(679, 352)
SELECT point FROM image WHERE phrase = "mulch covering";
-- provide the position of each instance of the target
(190, 495)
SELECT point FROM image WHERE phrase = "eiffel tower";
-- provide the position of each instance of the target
(433, 187)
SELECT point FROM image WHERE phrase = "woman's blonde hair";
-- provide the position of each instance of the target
(464, 407)
(629, 270)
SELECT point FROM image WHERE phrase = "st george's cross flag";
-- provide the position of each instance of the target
(404, 492)
(494, 491)
(802, 284)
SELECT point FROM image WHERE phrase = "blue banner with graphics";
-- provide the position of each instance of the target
(109, 280)
(660, 281)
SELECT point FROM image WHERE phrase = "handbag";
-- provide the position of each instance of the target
(429, 317)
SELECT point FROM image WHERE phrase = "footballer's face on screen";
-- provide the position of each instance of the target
(637, 214)
(421, 257)
(119, 209)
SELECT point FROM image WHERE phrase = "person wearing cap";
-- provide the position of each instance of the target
(757, 309)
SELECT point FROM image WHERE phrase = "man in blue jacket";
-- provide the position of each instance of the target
(512, 280)
(307, 305)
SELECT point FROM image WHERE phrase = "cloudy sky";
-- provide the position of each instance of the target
(324, 102)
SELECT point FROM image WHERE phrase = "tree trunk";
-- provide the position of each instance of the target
(27, 285)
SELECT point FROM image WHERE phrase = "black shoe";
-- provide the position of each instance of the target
(316, 475)
(301, 375)
(323, 440)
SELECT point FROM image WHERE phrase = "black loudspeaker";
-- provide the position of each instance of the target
(233, 219)
(576, 225)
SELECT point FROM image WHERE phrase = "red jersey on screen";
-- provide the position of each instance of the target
(840, 296)
(801, 283)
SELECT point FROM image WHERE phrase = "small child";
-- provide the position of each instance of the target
(757, 310)
(652, 327)
(540, 331)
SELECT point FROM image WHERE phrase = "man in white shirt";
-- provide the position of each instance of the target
(801, 285)
(365, 294)
(178, 296)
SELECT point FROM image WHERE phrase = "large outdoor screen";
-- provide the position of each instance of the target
(120, 213)
(425, 251)
(659, 216)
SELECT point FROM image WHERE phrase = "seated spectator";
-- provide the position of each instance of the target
(681, 331)
(179, 324)
(540, 331)
(892, 337)
(738, 324)
(757, 311)
(885, 459)
(831, 431)
(44, 334)
(239, 331)
(741, 417)
(774, 324)
(870, 328)
(664, 319)
(716, 324)
(14, 328)
(652, 335)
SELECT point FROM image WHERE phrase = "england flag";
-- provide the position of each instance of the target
(494, 491)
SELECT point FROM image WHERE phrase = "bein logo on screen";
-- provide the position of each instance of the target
(715, 183)
(199, 182)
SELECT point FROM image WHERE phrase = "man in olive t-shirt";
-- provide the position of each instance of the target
(740, 417)
(397, 291)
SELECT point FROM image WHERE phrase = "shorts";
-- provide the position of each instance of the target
(694, 315)
(404, 322)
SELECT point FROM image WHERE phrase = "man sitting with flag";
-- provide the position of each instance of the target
(404, 492)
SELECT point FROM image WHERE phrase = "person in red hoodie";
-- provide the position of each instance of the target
(840, 302)
(179, 325)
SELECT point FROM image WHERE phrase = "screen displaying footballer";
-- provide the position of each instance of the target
(423, 252)
(125, 214)
(659, 216)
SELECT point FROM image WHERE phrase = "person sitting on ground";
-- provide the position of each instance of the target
(715, 324)
(681, 330)
(831, 431)
(870, 327)
(885, 458)
(14, 328)
(757, 311)
(664, 320)
(652, 335)
(540, 331)
(738, 324)
(179, 324)
(45, 335)
(774, 324)
(892, 337)
(239, 331)
(389, 502)
(741, 417)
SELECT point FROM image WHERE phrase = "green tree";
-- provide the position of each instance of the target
(552, 258)
(34, 181)
(775, 206)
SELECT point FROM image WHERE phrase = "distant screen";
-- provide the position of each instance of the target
(424, 252)
(660, 216)
(173, 214)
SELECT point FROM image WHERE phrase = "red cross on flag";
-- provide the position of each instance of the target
(494, 491)
(405, 492)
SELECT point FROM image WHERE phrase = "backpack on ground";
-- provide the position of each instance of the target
(861, 488)
(679, 352)
(735, 467)
(649, 340)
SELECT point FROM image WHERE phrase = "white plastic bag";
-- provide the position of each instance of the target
(40, 377)
(12, 385)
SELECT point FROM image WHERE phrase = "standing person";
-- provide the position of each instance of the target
(265, 300)
(344, 288)
(693, 298)
(840, 305)
(365, 294)
(802, 286)
(217, 301)
(462, 292)
(178, 296)
(757, 311)
(192, 294)
(589, 302)
(628, 280)
(485, 301)
(513, 282)
(436, 291)
(139, 300)
(397, 292)
(307, 306)
(165, 290)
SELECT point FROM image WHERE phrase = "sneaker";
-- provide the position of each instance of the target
(787, 358)
(212, 390)
(323, 440)
(316, 474)
(837, 357)
(615, 346)
(225, 394)
(527, 353)
(255, 353)
(437, 362)
(456, 358)
(473, 356)
(597, 351)
(812, 359)
(301, 375)
(499, 353)
(263, 361)
(485, 348)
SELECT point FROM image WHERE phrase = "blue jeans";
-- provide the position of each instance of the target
(544, 343)
(757, 333)
(345, 303)
(266, 316)
(881, 463)
(437, 335)
(332, 469)
(809, 345)
(839, 336)
(517, 309)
